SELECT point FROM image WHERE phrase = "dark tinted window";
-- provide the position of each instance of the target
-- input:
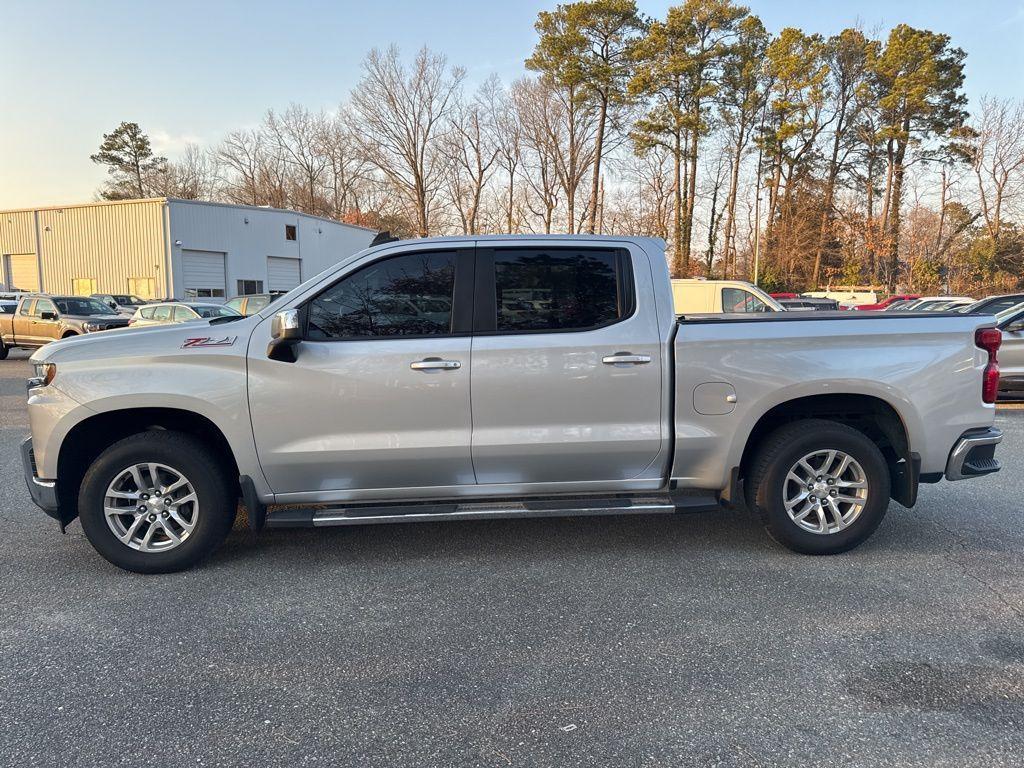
(408, 295)
(85, 306)
(7, 309)
(995, 306)
(538, 290)
(208, 310)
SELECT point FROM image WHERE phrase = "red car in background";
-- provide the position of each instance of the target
(884, 304)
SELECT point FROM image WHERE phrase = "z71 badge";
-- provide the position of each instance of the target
(208, 341)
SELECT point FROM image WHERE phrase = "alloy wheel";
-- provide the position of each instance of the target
(151, 507)
(825, 491)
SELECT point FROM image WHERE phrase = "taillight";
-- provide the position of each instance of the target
(989, 339)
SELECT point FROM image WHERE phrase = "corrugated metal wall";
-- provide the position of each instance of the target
(17, 232)
(109, 242)
(114, 242)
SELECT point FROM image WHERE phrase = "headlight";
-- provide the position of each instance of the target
(44, 375)
(90, 327)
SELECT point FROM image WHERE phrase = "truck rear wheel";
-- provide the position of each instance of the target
(3, 350)
(156, 502)
(820, 487)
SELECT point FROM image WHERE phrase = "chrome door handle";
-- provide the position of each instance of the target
(623, 358)
(435, 364)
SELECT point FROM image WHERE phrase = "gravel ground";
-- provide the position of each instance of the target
(650, 641)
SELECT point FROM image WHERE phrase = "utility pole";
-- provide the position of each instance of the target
(757, 233)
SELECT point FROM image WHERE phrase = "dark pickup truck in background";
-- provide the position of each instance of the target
(38, 320)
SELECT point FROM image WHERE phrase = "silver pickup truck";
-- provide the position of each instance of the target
(489, 377)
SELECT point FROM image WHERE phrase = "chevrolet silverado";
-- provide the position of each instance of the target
(488, 377)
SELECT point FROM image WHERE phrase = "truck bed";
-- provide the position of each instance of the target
(733, 369)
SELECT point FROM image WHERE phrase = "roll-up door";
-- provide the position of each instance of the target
(282, 274)
(23, 272)
(203, 274)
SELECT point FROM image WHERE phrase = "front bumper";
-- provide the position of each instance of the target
(974, 454)
(43, 492)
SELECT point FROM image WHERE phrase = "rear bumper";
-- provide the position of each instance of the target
(974, 454)
(43, 492)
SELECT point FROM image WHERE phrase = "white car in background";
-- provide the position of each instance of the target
(122, 303)
(169, 312)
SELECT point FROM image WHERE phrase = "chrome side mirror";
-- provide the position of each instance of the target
(285, 326)
(1015, 327)
(285, 334)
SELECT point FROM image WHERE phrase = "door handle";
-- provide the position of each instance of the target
(435, 364)
(624, 358)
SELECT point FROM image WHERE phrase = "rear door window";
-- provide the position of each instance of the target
(558, 289)
(162, 312)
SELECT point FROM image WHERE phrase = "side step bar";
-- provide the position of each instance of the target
(368, 514)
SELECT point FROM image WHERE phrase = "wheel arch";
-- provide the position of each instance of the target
(90, 437)
(872, 416)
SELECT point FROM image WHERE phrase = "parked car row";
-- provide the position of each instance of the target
(168, 312)
(38, 319)
(30, 320)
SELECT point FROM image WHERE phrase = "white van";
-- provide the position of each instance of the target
(697, 296)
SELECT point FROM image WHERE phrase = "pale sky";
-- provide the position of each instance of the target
(192, 70)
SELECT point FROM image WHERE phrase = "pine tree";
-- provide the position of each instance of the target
(128, 155)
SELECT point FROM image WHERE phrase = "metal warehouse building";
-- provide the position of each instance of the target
(164, 247)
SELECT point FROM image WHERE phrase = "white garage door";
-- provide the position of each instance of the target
(203, 274)
(23, 272)
(282, 274)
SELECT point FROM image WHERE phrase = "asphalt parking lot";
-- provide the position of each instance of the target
(650, 641)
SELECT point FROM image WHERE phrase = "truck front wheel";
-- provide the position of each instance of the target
(820, 487)
(156, 502)
(3, 350)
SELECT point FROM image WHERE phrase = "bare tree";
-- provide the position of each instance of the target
(996, 152)
(471, 150)
(539, 112)
(507, 131)
(193, 176)
(400, 114)
(296, 133)
(347, 172)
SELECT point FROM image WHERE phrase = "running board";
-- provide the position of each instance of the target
(369, 514)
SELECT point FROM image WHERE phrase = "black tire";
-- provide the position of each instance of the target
(3, 350)
(781, 451)
(202, 467)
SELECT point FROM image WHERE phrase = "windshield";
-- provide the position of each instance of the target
(215, 310)
(82, 306)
